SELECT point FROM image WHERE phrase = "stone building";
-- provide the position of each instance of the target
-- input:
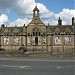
(38, 36)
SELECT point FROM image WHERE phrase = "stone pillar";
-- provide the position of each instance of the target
(47, 42)
(42, 42)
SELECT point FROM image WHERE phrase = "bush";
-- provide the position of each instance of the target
(22, 49)
(2, 49)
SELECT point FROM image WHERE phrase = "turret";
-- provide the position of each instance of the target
(35, 12)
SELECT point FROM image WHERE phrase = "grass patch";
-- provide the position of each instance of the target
(47, 55)
(40, 55)
(36, 55)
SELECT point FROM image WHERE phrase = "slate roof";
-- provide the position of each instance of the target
(11, 29)
(51, 28)
(62, 28)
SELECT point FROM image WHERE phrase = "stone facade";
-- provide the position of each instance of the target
(38, 36)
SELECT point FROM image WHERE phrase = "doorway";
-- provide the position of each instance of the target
(36, 40)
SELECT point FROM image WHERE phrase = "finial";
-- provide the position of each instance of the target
(6, 25)
(72, 18)
(59, 18)
(24, 24)
(67, 23)
(36, 5)
(15, 25)
(48, 24)
(35, 9)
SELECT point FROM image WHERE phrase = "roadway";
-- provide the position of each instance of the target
(36, 67)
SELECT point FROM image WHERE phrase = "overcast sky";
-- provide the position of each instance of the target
(19, 12)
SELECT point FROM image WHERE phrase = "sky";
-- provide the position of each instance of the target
(19, 12)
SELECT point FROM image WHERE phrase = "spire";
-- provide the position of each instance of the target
(35, 9)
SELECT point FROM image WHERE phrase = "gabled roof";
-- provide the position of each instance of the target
(39, 22)
(62, 28)
(11, 29)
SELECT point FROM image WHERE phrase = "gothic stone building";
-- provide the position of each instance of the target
(38, 36)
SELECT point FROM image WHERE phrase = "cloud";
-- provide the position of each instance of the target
(3, 18)
(6, 5)
(66, 15)
(20, 22)
(22, 7)
(50, 17)
(25, 8)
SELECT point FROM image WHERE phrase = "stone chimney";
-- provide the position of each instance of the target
(59, 21)
(2, 26)
(73, 21)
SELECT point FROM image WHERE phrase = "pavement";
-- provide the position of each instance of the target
(38, 59)
(26, 66)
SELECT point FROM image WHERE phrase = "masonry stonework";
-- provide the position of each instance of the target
(37, 36)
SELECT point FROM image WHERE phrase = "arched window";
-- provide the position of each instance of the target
(36, 32)
(6, 40)
(16, 40)
(36, 38)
